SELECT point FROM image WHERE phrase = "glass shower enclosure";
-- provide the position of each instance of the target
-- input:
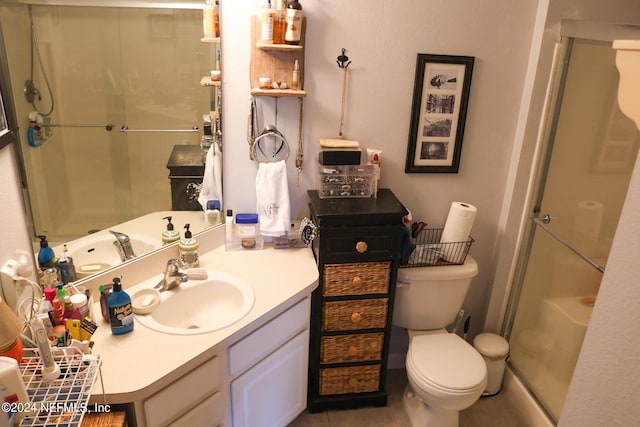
(582, 186)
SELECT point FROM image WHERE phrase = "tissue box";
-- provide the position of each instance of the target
(347, 181)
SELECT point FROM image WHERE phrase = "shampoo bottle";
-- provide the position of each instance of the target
(188, 248)
(169, 235)
(46, 256)
(120, 311)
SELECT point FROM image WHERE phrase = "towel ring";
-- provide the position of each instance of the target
(278, 149)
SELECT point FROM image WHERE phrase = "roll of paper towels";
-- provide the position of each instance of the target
(588, 219)
(457, 229)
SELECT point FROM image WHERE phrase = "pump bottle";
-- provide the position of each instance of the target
(169, 235)
(188, 248)
(46, 256)
(120, 311)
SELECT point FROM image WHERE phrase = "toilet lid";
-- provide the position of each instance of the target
(447, 361)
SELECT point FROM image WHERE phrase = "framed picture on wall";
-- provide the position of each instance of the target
(439, 110)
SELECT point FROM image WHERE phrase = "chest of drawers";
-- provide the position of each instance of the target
(357, 250)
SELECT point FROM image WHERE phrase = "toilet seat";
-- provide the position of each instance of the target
(446, 363)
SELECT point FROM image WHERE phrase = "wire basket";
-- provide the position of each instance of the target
(427, 251)
(64, 401)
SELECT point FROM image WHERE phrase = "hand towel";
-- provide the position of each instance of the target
(212, 179)
(272, 198)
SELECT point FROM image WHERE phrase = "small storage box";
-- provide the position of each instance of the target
(347, 181)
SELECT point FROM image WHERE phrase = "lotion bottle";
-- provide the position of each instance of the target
(268, 15)
(212, 214)
(188, 248)
(169, 235)
(228, 224)
(293, 34)
(120, 311)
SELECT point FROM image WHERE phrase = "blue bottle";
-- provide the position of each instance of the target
(120, 311)
(46, 256)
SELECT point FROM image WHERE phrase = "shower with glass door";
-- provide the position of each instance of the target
(589, 156)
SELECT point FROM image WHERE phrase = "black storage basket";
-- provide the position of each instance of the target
(427, 251)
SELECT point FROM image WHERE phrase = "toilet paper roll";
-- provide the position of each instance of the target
(588, 219)
(457, 228)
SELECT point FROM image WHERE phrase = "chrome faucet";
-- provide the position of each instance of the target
(172, 276)
(123, 246)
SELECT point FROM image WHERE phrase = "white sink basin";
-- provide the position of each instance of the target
(199, 306)
(95, 253)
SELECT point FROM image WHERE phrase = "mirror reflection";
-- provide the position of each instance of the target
(112, 104)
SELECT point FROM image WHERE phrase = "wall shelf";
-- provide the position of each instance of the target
(272, 46)
(210, 39)
(207, 82)
(275, 61)
(279, 93)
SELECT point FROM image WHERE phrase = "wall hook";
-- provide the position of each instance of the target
(342, 59)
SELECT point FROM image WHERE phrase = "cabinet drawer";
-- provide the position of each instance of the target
(356, 278)
(352, 379)
(256, 346)
(361, 243)
(355, 314)
(183, 393)
(351, 348)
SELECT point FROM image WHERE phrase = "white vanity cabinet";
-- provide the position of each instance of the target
(196, 399)
(269, 370)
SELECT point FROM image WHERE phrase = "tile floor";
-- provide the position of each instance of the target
(490, 411)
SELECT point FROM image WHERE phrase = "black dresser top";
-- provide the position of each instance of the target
(384, 210)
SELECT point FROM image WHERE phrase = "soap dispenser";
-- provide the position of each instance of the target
(46, 256)
(120, 310)
(188, 248)
(169, 235)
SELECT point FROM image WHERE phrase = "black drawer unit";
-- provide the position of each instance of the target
(357, 250)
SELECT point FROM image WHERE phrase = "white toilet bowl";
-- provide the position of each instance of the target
(446, 375)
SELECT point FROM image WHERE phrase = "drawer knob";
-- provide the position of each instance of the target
(356, 317)
(361, 247)
(353, 350)
(353, 381)
(357, 280)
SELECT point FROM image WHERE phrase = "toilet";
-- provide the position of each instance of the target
(446, 374)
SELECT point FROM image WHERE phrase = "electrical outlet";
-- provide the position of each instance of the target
(10, 287)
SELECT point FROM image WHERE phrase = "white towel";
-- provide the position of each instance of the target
(212, 179)
(272, 198)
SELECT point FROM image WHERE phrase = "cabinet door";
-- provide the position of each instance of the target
(274, 391)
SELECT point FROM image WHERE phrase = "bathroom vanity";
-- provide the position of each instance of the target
(357, 251)
(251, 372)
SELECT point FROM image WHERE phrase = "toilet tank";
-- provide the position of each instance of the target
(431, 297)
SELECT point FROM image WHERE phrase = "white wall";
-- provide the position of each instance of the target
(13, 219)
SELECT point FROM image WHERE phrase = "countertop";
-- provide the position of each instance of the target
(139, 363)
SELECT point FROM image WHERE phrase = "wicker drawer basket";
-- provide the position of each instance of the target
(356, 278)
(354, 315)
(351, 348)
(353, 379)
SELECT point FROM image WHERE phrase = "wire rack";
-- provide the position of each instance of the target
(64, 401)
(426, 250)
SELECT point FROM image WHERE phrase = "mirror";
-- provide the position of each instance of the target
(116, 89)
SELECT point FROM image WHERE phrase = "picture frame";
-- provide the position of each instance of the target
(438, 114)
